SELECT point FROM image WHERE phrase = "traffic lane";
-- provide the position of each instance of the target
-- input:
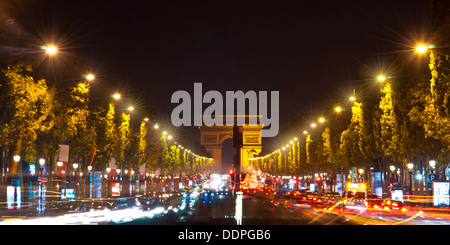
(254, 210)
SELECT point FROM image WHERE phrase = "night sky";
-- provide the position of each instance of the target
(309, 51)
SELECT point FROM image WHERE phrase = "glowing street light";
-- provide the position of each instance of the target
(381, 78)
(321, 120)
(410, 166)
(352, 98)
(421, 48)
(131, 108)
(146, 119)
(305, 132)
(156, 126)
(16, 158)
(42, 161)
(90, 77)
(338, 109)
(51, 49)
(313, 125)
(116, 96)
(432, 164)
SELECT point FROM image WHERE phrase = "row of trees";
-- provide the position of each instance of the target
(401, 120)
(36, 118)
(405, 122)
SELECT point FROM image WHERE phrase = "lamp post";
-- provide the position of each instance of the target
(75, 167)
(432, 169)
(42, 163)
(432, 165)
(89, 183)
(108, 183)
(361, 172)
(410, 168)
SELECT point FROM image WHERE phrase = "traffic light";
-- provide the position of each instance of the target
(232, 175)
(237, 136)
(277, 179)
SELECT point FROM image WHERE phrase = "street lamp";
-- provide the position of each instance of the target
(410, 168)
(90, 77)
(381, 78)
(321, 120)
(41, 162)
(16, 158)
(156, 126)
(421, 48)
(313, 125)
(432, 164)
(130, 108)
(116, 96)
(352, 98)
(338, 109)
(51, 49)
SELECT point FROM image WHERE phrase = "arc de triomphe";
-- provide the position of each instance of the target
(212, 138)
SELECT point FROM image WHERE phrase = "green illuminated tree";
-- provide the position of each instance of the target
(351, 139)
(82, 120)
(25, 111)
(123, 138)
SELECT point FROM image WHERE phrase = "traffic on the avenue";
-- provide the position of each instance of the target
(213, 200)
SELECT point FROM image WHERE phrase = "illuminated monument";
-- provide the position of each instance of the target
(212, 138)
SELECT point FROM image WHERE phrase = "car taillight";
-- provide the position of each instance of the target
(376, 206)
(403, 209)
(386, 208)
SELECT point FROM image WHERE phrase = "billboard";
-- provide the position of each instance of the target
(441, 193)
(377, 185)
(115, 189)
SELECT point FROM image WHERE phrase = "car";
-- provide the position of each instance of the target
(224, 190)
(309, 197)
(329, 198)
(373, 202)
(393, 205)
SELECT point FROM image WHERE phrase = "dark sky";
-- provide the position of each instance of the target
(306, 50)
